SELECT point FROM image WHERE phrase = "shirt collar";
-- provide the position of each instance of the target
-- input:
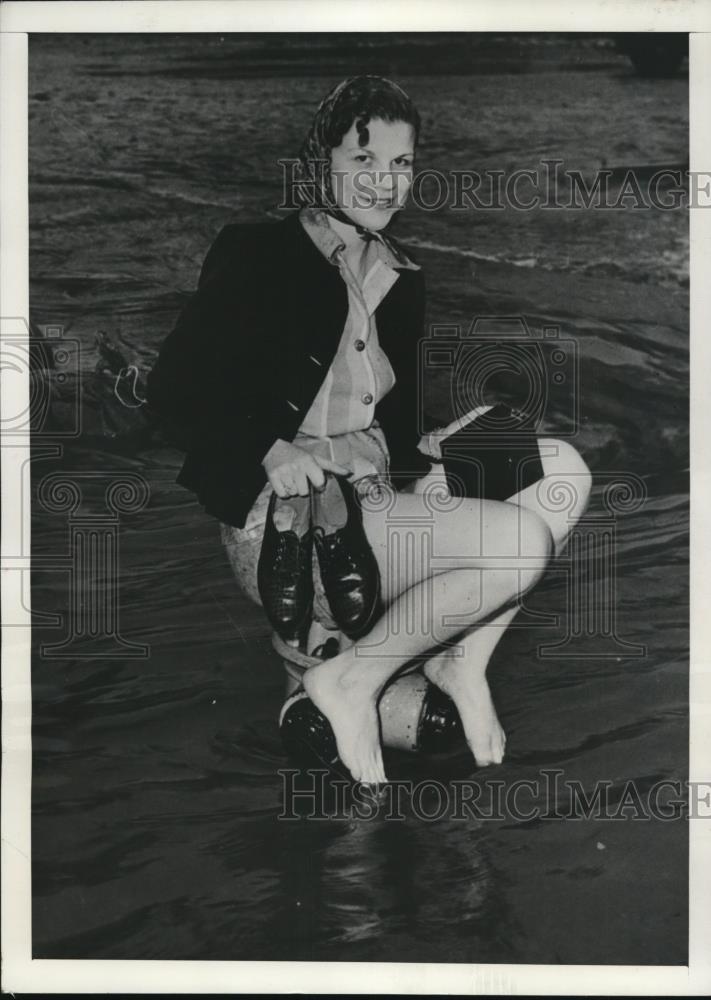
(315, 222)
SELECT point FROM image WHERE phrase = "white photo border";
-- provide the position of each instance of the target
(20, 972)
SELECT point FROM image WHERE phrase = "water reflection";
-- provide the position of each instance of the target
(353, 882)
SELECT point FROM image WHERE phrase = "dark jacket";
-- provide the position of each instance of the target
(250, 350)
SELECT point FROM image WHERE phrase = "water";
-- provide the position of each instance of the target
(156, 789)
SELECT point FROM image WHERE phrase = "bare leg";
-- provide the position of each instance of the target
(461, 566)
(560, 498)
(461, 673)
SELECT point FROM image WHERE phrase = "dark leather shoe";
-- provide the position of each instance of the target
(349, 570)
(284, 570)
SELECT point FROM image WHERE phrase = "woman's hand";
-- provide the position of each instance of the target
(290, 469)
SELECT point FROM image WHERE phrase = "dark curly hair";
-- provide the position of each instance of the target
(355, 100)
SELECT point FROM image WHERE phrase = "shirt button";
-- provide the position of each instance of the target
(359, 345)
(367, 398)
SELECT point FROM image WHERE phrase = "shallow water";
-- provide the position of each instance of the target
(156, 790)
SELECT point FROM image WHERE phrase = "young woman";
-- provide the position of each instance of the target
(297, 358)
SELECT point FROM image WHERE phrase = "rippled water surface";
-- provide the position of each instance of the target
(156, 789)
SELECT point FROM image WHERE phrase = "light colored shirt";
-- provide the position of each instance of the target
(360, 374)
(340, 423)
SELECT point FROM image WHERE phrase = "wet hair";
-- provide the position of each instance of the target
(355, 100)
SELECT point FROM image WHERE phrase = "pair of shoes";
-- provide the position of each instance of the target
(349, 570)
(332, 520)
(284, 575)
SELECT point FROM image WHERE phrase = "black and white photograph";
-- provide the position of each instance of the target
(352, 458)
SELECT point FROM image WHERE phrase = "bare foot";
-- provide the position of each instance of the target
(468, 689)
(350, 705)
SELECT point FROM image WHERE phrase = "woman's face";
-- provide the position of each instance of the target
(370, 183)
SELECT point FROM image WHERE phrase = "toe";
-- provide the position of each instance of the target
(374, 774)
(352, 765)
(498, 745)
(482, 754)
